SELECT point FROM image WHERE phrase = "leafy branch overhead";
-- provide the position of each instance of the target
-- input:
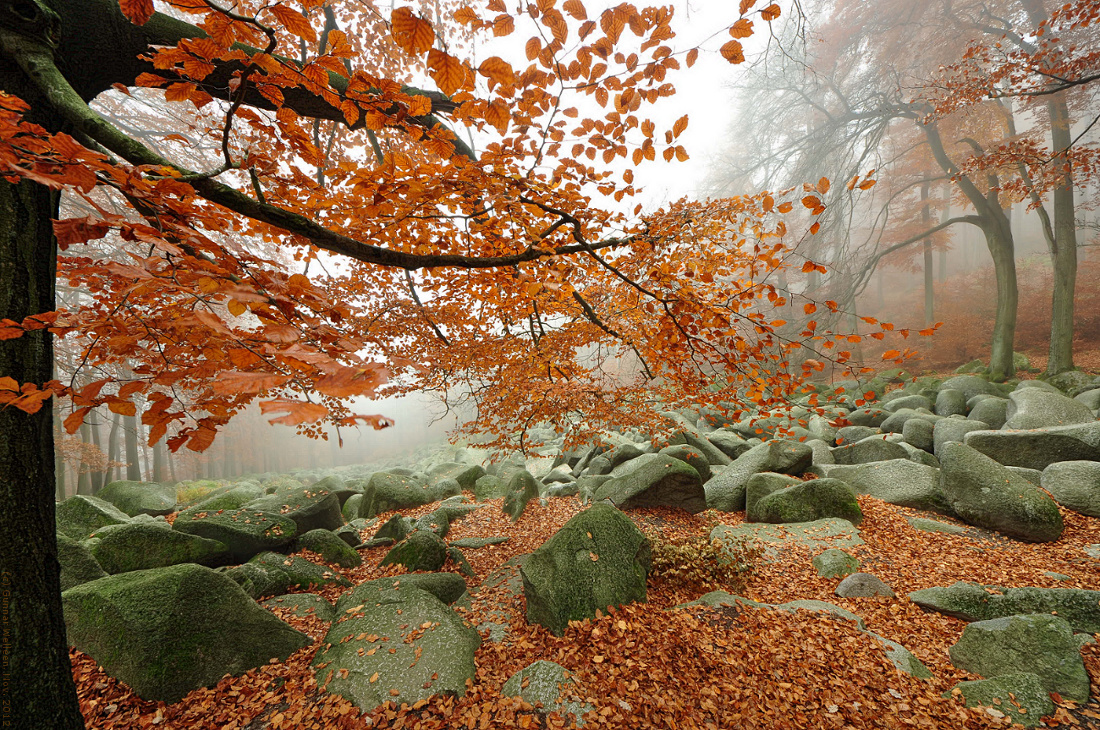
(494, 277)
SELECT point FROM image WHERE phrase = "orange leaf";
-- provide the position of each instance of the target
(75, 419)
(733, 52)
(576, 9)
(692, 56)
(138, 11)
(746, 6)
(823, 185)
(770, 13)
(412, 33)
(296, 24)
(447, 71)
(812, 202)
(534, 46)
(741, 29)
(890, 354)
(503, 24)
(231, 382)
(497, 69)
(680, 125)
(809, 308)
(123, 408)
(297, 411)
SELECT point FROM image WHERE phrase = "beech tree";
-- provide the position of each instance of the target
(306, 139)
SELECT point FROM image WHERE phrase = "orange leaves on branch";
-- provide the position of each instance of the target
(138, 11)
(297, 411)
(412, 33)
(233, 382)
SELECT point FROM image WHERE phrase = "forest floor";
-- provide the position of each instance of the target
(645, 666)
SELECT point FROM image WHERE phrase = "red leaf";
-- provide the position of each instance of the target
(138, 11)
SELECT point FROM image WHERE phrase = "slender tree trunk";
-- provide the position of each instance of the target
(37, 691)
(96, 476)
(1064, 251)
(929, 275)
(999, 241)
(84, 477)
(59, 459)
(113, 450)
(159, 472)
(133, 459)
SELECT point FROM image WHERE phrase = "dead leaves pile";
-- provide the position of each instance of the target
(647, 666)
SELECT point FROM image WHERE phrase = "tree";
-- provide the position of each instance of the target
(614, 315)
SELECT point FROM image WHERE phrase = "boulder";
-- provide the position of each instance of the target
(489, 487)
(899, 481)
(691, 456)
(78, 565)
(816, 535)
(986, 494)
(1037, 643)
(465, 474)
(396, 528)
(808, 501)
(1090, 398)
(599, 558)
(244, 532)
(821, 452)
(1071, 380)
(310, 508)
(140, 498)
(80, 516)
(896, 422)
(302, 605)
(661, 481)
(919, 523)
(974, 602)
(1074, 484)
(910, 400)
(1020, 696)
(990, 410)
(421, 550)
(952, 429)
(693, 438)
(871, 449)
(835, 563)
(168, 631)
(761, 485)
(863, 585)
(145, 545)
(867, 416)
(522, 488)
(227, 501)
(1038, 448)
(918, 432)
(270, 574)
(387, 491)
(950, 402)
(395, 642)
(541, 685)
(1038, 408)
(851, 434)
(729, 443)
(970, 386)
(330, 547)
(725, 491)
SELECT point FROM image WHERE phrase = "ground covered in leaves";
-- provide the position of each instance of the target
(647, 666)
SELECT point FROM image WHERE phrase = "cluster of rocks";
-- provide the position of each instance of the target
(966, 448)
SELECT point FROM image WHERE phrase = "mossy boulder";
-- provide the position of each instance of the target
(421, 550)
(350, 510)
(986, 494)
(1074, 484)
(1020, 696)
(395, 643)
(78, 565)
(725, 491)
(761, 485)
(140, 498)
(662, 480)
(542, 684)
(245, 532)
(599, 558)
(226, 501)
(974, 602)
(168, 631)
(386, 491)
(465, 474)
(902, 482)
(310, 508)
(522, 488)
(835, 563)
(489, 487)
(302, 605)
(145, 545)
(330, 547)
(80, 516)
(1041, 644)
(808, 501)
(273, 574)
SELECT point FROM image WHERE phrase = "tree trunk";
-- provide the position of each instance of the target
(133, 460)
(929, 281)
(40, 692)
(97, 476)
(999, 240)
(112, 448)
(160, 474)
(1064, 251)
(83, 476)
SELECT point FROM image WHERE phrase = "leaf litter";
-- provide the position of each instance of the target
(652, 666)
